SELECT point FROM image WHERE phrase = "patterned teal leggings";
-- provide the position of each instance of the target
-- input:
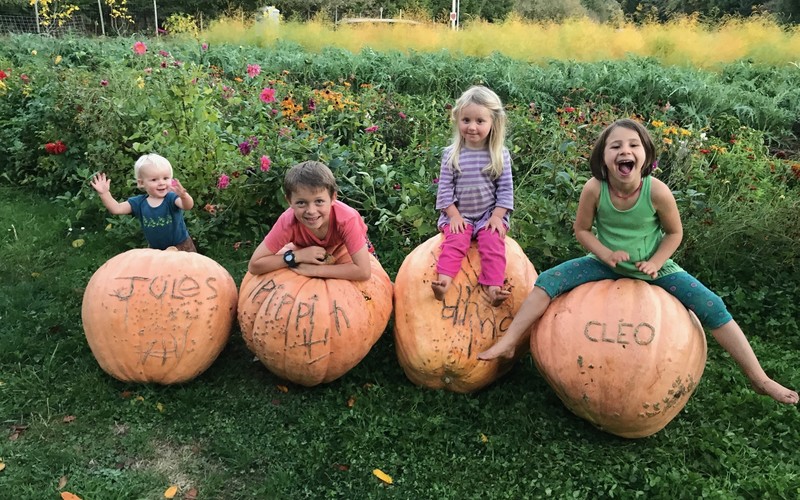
(707, 305)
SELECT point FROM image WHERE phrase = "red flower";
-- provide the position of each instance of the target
(3, 75)
(55, 148)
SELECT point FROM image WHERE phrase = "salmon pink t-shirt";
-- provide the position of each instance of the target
(346, 227)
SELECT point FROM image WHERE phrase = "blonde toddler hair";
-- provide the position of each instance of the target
(151, 159)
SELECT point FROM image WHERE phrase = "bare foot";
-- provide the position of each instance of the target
(499, 350)
(497, 295)
(440, 286)
(776, 391)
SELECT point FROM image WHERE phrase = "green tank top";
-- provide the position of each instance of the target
(636, 231)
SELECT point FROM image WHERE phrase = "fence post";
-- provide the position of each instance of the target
(102, 23)
(36, 9)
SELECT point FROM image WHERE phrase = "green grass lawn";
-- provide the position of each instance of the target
(234, 433)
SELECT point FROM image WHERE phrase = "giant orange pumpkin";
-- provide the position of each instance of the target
(313, 330)
(623, 354)
(158, 316)
(438, 342)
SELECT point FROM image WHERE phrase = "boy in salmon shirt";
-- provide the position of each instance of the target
(313, 228)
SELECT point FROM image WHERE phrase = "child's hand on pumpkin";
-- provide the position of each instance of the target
(457, 224)
(647, 267)
(311, 255)
(495, 223)
(615, 257)
(289, 246)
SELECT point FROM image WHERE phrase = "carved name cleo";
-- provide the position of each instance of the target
(642, 334)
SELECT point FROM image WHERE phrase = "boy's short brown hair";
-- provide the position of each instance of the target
(310, 174)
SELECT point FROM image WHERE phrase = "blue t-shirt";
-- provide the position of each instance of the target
(163, 225)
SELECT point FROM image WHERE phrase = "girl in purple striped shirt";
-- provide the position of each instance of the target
(476, 193)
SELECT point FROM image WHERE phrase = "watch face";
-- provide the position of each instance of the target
(288, 257)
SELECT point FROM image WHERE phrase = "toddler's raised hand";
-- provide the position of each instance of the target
(101, 183)
(177, 187)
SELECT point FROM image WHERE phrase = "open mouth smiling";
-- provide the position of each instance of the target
(626, 166)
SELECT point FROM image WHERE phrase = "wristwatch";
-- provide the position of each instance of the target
(288, 257)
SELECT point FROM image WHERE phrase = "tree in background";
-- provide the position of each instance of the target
(141, 11)
(119, 15)
(53, 13)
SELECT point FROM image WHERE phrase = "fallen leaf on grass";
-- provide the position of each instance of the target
(78, 243)
(386, 478)
(342, 467)
(351, 402)
(2, 466)
(62, 481)
(484, 439)
(16, 432)
(66, 495)
(191, 494)
(160, 407)
(69, 418)
(171, 492)
(282, 388)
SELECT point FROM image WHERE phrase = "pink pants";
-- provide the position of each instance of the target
(491, 248)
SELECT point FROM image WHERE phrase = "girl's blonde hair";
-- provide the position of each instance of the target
(151, 159)
(485, 97)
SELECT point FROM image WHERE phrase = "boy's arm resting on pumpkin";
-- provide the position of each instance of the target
(670, 219)
(360, 269)
(263, 260)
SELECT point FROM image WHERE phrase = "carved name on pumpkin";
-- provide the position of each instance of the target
(469, 306)
(641, 334)
(284, 308)
(160, 287)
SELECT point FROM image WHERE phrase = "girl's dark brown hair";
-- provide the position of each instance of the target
(598, 165)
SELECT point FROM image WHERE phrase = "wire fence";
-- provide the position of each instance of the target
(27, 24)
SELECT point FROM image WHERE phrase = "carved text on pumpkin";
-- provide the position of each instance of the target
(470, 308)
(642, 334)
(185, 287)
(299, 317)
(169, 348)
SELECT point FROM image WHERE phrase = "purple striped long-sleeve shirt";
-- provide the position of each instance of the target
(474, 193)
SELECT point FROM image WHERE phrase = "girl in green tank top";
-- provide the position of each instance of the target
(629, 223)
